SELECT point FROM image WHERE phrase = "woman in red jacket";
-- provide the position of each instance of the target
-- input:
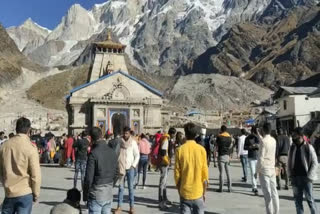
(69, 150)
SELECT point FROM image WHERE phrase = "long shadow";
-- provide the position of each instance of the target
(48, 165)
(285, 197)
(149, 203)
(157, 186)
(54, 188)
(50, 203)
(243, 185)
(249, 194)
(69, 179)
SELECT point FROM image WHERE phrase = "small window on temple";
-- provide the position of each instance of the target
(285, 105)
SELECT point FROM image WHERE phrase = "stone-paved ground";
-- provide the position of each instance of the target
(56, 181)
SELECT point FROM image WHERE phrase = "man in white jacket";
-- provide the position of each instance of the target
(128, 161)
(266, 170)
(243, 154)
(302, 171)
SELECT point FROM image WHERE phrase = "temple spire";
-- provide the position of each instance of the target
(109, 37)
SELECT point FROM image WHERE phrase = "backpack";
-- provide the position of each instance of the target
(157, 158)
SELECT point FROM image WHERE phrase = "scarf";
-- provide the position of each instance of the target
(123, 156)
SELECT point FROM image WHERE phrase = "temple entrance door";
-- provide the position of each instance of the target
(119, 121)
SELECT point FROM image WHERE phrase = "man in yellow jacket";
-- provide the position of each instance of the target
(191, 173)
(20, 171)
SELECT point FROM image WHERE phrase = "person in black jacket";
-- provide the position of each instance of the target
(317, 146)
(81, 150)
(116, 142)
(283, 146)
(252, 145)
(224, 143)
(101, 174)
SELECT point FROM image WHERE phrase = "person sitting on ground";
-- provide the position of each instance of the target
(70, 205)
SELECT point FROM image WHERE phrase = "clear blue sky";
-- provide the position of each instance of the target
(47, 13)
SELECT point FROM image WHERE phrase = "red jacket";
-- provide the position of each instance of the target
(68, 147)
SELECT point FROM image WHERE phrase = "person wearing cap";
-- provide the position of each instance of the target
(302, 171)
(20, 171)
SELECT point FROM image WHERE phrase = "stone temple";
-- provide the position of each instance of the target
(112, 99)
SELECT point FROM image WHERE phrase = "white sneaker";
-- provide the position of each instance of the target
(163, 205)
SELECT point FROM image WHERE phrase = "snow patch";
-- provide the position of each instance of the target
(117, 4)
(100, 5)
(64, 54)
(43, 28)
(127, 41)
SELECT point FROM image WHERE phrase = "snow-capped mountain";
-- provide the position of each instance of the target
(78, 24)
(28, 34)
(161, 35)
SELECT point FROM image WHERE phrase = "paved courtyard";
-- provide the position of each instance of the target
(56, 181)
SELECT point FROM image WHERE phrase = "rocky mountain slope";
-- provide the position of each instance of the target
(28, 36)
(270, 54)
(206, 92)
(58, 86)
(216, 92)
(168, 36)
(11, 60)
(270, 42)
(161, 35)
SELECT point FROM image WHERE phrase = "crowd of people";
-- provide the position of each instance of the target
(109, 161)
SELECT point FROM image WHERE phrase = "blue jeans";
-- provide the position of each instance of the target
(99, 207)
(253, 166)
(129, 176)
(20, 205)
(192, 206)
(244, 163)
(143, 164)
(163, 184)
(69, 162)
(300, 185)
(79, 166)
